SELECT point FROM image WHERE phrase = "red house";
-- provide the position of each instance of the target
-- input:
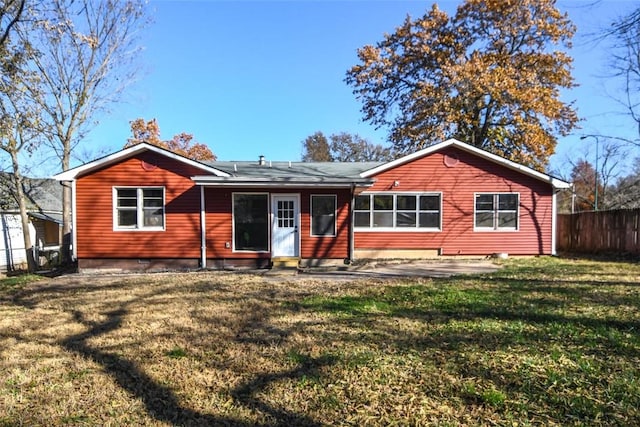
(148, 208)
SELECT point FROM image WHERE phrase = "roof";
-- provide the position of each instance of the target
(53, 217)
(289, 173)
(328, 174)
(126, 153)
(44, 195)
(555, 182)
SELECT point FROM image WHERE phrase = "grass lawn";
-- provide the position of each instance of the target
(541, 342)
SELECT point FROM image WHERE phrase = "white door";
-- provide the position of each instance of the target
(285, 225)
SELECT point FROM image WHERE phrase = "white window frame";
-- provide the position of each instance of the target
(335, 215)
(139, 208)
(496, 210)
(233, 221)
(394, 228)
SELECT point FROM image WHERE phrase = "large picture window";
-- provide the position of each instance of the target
(139, 208)
(496, 211)
(398, 211)
(323, 215)
(251, 222)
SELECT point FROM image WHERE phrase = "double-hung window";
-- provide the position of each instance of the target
(496, 211)
(139, 208)
(323, 215)
(420, 212)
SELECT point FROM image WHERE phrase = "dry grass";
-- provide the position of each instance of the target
(540, 342)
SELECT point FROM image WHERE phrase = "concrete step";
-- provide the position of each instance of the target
(285, 262)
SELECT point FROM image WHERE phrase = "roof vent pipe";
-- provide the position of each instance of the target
(261, 160)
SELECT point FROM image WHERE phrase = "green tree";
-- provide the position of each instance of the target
(489, 75)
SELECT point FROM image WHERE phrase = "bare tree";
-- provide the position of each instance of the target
(86, 52)
(626, 193)
(20, 129)
(624, 34)
(10, 14)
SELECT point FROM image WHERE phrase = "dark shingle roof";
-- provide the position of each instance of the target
(310, 171)
(275, 174)
(43, 195)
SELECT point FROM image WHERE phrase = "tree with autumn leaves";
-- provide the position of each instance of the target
(183, 144)
(489, 75)
(343, 147)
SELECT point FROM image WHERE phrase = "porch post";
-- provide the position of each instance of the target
(74, 219)
(351, 235)
(554, 221)
(203, 231)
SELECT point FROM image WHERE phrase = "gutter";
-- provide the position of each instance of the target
(203, 231)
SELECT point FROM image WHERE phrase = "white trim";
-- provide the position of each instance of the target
(352, 233)
(470, 149)
(74, 221)
(213, 181)
(496, 228)
(139, 208)
(72, 174)
(233, 222)
(335, 215)
(203, 231)
(298, 243)
(554, 219)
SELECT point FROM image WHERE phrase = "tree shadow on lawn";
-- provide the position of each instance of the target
(160, 401)
(484, 342)
(258, 329)
(508, 303)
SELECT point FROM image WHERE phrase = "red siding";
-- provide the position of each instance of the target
(94, 210)
(458, 184)
(326, 247)
(219, 224)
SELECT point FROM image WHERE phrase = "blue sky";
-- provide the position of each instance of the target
(252, 78)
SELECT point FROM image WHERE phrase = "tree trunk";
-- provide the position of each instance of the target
(66, 223)
(22, 206)
(66, 209)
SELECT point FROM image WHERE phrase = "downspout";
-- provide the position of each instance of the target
(554, 220)
(203, 231)
(351, 235)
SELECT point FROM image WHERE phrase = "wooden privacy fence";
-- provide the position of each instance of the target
(615, 231)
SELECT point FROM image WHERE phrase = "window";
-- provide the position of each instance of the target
(323, 215)
(398, 211)
(251, 222)
(496, 211)
(139, 208)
